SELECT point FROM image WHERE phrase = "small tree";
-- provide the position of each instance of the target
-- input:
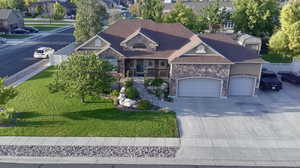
(38, 10)
(58, 11)
(6, 93)
(134, 10)
(83, 75)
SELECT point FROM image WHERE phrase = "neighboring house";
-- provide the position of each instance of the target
(209, 65)
(47, 6)
(10, 20)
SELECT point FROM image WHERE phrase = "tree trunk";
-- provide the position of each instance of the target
(82, 99)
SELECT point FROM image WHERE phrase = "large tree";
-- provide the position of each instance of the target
(256, 17)
(82, 75)
(286, 41)
(213, 15)
(184, 15)
(151, 9)
(88, 19)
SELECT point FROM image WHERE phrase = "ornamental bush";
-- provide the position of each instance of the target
(7, 115)
(132, 93)
(144, 105)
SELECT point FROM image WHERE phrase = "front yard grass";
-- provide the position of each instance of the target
(45, 114)
(46, 26)
(276, 58)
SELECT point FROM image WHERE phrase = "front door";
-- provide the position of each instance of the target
(140, 67)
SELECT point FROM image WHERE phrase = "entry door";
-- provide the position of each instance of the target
(140, 66)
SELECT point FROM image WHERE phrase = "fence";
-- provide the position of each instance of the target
(276, 67)
(62, 54)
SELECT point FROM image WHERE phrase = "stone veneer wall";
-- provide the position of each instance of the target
(219, 71)
(121, 61)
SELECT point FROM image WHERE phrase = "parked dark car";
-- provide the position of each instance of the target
(290, 77)
(31, 29)
(20, 31)
(270, 81)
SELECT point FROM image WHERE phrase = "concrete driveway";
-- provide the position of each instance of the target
(264, 128)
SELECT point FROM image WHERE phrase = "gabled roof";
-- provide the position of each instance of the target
(175, 41)
(229, 48)
(170, 37)
(141, 31)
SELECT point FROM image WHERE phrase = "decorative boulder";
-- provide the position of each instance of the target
(122, 91)
(164, 86)
(128, 103)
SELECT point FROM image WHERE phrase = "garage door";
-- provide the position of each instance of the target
(241, 86)
(199, 87)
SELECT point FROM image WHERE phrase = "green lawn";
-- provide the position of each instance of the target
(46, 26)
(276, 58)
(45, 114)
(14, 36)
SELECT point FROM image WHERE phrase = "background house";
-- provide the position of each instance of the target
(46, 7)
(10, 20)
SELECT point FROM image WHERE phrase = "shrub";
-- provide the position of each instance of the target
(128, 83)
(131, 93)
(7, 115)
(165, 110)
(114, 93)
(144, 105)
(147, 82)
(157, 82)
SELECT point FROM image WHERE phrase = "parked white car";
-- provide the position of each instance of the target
(43, 52)
(2, 40)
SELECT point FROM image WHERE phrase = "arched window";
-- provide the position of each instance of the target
(139, 46)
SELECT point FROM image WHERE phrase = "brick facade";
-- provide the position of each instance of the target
(218, 71)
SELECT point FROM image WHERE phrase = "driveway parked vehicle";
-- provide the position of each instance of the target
(43, 52)
(291, 77)
(20, 31)
(2, 40)
(270, 81)
(31, 29)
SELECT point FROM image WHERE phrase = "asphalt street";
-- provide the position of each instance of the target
(14, 58)
(111, 166)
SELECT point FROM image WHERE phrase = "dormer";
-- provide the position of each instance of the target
(139, 41)
(251, 42)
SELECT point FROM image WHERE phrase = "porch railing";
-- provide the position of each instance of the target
(148, 73)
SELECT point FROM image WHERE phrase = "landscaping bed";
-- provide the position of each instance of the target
(43, 114)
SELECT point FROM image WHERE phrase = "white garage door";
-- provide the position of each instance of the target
(199, 87)
(241, 86)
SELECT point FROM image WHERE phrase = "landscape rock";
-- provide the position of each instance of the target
(128, 103)
(122, 91)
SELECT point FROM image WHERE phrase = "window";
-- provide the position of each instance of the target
(200, 50)
(162, 63)
(150, 63)
(139, 46)
(98, 43)
(111, 59)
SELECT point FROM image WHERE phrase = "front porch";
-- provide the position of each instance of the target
(147, 68)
